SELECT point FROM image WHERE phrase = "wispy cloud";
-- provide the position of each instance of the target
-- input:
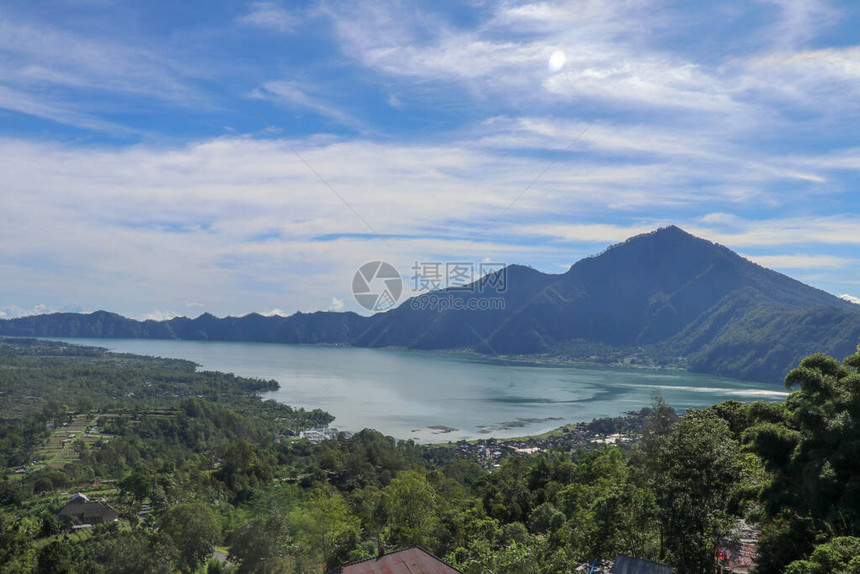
(270, 16)
(798, 22)
(47, 55)
(62, 113)
(801, 261)
(47, 69)
(508, 55)
(821, 80)
(828, 230)
(296, 96)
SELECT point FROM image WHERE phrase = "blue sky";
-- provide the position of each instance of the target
(170, 158)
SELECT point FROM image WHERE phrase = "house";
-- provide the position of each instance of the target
(85, 512)
(319, 434)
(410, 561)
(627, 565)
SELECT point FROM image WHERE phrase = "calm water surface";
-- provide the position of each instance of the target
(421, 395)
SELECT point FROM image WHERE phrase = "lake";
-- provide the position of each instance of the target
(436, 397)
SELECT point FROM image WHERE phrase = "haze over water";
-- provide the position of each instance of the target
(422, 395)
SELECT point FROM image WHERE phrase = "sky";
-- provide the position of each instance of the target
(173, 158)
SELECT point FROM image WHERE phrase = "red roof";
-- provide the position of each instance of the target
(409, 561)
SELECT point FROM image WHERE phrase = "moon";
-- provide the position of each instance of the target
(556, 61)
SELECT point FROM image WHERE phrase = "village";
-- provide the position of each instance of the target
(490, 452)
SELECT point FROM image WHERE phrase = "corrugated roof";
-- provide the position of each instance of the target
(86, 511)
(409, 561)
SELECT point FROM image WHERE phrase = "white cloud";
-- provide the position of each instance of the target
(553, 133)
(158, 225)
(43, 55)
(159, 316)
(823, 79)
(336, 304)
(294, 95)
(850, 298)
(276, 313)
(17, 101)
(65, 77)
(720, 218)
(589, 232)
(845, 159)
(14, 311)
(800, 261)
(798, 22)
(613, 62)
(270, 16)
(649, 80)
(821, 230)
(507, 54)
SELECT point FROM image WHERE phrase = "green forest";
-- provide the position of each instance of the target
(208, 477)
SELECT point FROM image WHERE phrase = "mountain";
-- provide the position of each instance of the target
(309, 328)
(665, 297)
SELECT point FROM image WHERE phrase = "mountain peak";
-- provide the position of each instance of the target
(101, 313)
(662, 244)
(667, 233)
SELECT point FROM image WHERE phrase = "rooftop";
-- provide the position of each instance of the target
(409, 561)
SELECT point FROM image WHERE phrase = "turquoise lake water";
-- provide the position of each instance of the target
(422, 395)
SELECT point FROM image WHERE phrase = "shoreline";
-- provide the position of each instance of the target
(535, 423)
(544, 359)
(552, 360)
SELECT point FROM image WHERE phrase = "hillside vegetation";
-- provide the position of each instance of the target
(196, 461)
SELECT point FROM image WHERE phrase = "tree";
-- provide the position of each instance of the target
(324, 528)
(660, 419)
(626, 522)
(410, 503)
(596, 476)
(10, 493)
(133, 552)
(506, 492)
(656, 427)
(138, 484)
(784, 538)
(545, 518)
(44, 484)
(701, 474)
(811, 451)
(839, 556)
(56, 558)
(193, 529)
(261, 546)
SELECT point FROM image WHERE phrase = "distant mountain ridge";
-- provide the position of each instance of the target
(661, 298)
